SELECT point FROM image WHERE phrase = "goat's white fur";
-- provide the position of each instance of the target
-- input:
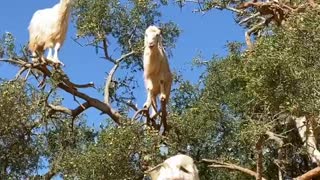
(157, 74)
(47, 30)
(178, 167)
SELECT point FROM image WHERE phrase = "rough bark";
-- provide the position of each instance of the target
(307, 136)
(310, 174)
(259, 148)
(230, 166)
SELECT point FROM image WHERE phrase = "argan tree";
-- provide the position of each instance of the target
(254, 114)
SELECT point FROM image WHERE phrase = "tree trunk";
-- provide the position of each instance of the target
(306, 133)
(259, 148)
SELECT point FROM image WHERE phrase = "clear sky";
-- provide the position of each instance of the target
(206, 33)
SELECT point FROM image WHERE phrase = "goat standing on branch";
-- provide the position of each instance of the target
(157, 74)
(47, 30)
(176, 167)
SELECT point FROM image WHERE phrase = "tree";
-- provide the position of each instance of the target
(254, 103)
(99, 23)
(254, 116)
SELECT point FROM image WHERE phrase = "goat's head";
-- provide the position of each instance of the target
(179, 167)
(152, 37)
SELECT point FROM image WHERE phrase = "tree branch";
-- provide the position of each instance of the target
(310, 174)
(249, 17)
(105, 108)
(306, 133)
(72, 112)
(105, 50)
(219, 164)
(251, 30)
(280, 142)
(108, 83)
(275, 137)
(69, 87)
(111, 74)
(259, 147)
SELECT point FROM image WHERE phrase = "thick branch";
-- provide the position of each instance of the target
(275, 137)
(249, 17)
(49, 175)
(69, 87)
(259, 147)
(218, 164)
(310, 174)
(105, 108)
(108, 83)
(111, 74)
(312, 3)
(306, 133)
(280, 142)
(251, 30)
(74, 113)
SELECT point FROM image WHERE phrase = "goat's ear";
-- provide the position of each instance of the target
(154, 172)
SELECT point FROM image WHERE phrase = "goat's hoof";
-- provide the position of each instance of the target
(58, 63)
(163, 97)
(146, 105)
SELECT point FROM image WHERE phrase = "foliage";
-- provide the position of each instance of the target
(119, 26)
(27, 135)
(20, 148)
(124, 22)
(7, 46)
(248, 94)
(119, 153)
(243, 96)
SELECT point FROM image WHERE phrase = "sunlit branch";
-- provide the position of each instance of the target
(111, 74)
(219, 164)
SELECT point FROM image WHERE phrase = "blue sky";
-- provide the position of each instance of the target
(206, 33)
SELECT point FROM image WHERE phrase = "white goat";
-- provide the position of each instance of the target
(157, 74)
(178, 167)
(47, 29)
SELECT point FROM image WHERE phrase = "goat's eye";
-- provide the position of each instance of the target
(184, 170)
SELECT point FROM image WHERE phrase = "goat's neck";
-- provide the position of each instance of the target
(64, 10)
(156, 51)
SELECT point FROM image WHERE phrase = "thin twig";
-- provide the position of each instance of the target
(27, 75)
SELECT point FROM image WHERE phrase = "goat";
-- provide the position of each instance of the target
(47, 30)
(157, 74)
(178, 167)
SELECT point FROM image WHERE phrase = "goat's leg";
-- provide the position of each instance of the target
(163, 96)
(49, 56)
(149, 86)
(35, 57)
(147, 104)
(154, 105)
(55, 56)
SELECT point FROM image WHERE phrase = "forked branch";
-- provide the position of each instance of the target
(111, 74)
(71, 88)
